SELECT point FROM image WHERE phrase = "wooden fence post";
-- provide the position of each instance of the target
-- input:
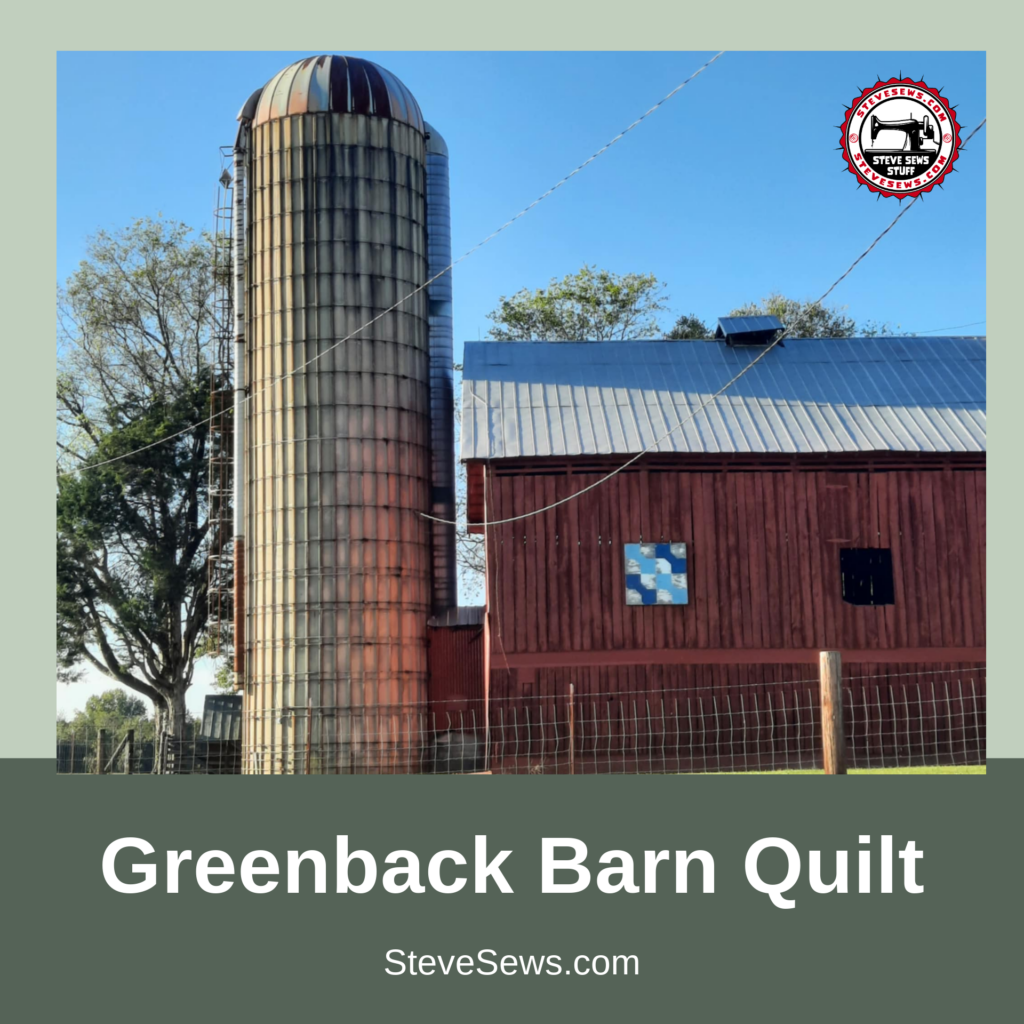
(129, 752)
(833, 743)
(101, 746)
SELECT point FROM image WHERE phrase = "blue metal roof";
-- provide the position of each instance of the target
(737, 326)
(522, 399)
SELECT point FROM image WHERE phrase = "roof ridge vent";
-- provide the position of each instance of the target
(748, 330)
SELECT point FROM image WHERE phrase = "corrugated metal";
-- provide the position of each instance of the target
(442, 376)
(739, 325)
(336, 84)
(456, 655)
(814, 395)
(222, 717)
(338, 460)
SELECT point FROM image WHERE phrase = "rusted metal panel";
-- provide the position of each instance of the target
(456, 657)
(337, 84)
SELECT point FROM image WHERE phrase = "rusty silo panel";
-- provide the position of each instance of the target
(338, 464)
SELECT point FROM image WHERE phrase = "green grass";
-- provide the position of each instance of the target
(973, 769)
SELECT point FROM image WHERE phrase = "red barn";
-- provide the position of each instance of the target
(682, 579)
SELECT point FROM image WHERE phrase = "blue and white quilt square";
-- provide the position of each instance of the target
(656, 574)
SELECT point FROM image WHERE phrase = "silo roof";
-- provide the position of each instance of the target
(338, 84)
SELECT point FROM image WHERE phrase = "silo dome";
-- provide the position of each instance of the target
(335, 84)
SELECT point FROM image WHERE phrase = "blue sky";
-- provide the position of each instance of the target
(732, 190)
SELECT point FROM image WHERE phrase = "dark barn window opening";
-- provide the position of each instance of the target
(866, 575)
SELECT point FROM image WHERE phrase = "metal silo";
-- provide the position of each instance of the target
(442, 377)
(337, 460)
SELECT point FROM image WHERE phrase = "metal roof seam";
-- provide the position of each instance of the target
(770, 371)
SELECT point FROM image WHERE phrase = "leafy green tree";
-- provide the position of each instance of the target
(806, 319)
(223, 678)
(131, 575)
(114, 707)
(134, 330)
(114, 710)
(690, 328)
(590, 305)
(874, 329)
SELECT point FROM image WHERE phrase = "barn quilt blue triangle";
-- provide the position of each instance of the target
(656, 574)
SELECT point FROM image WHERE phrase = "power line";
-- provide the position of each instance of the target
(955, 327)
(426, 284)
(725, 387)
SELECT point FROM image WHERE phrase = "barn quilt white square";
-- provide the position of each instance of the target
(656, 574)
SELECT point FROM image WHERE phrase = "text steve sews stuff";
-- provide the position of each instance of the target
(566, 868)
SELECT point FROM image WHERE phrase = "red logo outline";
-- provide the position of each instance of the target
(932, 181)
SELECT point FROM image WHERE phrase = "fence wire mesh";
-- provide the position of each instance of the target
(934, 718)
(88, 752)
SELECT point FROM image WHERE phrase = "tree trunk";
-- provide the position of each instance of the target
(159, 719)
(169, 714)
(175, 722)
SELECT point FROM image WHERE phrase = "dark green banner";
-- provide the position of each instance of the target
(722, 955)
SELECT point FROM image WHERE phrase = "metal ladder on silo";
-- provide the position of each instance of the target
(219, 559)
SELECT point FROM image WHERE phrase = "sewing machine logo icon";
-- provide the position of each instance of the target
(900, 137)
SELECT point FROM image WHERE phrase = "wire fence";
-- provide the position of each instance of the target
(920, 719)
(930, 719)
(91, 751)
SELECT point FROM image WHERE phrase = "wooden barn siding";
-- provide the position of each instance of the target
(763, 563)
(763, 559)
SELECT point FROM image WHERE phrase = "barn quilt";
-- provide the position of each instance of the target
(656, 574)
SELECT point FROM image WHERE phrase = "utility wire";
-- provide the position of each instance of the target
(955, 327)
(725, 387)
(469, 252)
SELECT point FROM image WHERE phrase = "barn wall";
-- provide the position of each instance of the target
(763, 567)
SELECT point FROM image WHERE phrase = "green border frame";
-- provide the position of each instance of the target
(26, 723)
